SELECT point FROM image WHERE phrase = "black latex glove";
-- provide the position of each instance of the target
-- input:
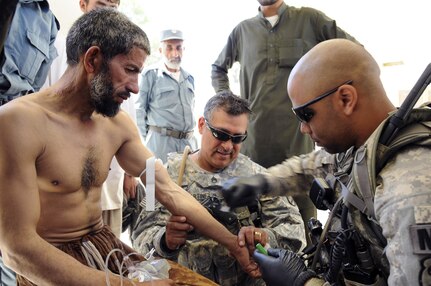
(243, 191)
(282, 267)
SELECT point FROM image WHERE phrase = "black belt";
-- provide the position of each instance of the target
(172, 133)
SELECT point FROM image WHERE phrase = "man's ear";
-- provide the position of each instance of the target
(83, 6)
(93, 59)
(201, 124)
(348, 98)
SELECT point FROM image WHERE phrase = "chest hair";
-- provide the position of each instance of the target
(90, 172)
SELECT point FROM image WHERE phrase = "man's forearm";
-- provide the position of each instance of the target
(219, 78)
(185, 204)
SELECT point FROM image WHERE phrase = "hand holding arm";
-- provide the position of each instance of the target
(176, 231)
(250, 236)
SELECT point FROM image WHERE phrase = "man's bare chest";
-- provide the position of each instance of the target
(70, 162)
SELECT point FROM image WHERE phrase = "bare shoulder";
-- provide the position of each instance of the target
(21, 123)
(124, 124)
(20, 113)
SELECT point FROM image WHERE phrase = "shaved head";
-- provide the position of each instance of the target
(335, 61)
(354, 110)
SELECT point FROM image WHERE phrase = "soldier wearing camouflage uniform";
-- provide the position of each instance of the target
(275, 220)
(387, 242)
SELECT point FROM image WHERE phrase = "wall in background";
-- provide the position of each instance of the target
(395, 33)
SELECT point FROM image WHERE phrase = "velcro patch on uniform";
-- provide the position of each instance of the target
(422, 214)
(420, 235)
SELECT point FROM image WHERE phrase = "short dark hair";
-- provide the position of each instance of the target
(112, 1)
(228, 102)
(108, 29)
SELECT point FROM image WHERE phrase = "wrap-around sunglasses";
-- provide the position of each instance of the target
(305, 114)
(224, 136)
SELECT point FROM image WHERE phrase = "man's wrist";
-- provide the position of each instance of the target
(164, 245)
(264, 184)
(232, 243)
(159, 243)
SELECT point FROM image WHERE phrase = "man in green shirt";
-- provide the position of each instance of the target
(267, 47)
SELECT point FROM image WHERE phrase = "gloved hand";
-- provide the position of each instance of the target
(282, 267)
(243, 191)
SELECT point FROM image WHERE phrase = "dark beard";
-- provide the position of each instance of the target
(102, 94)
(266, 2)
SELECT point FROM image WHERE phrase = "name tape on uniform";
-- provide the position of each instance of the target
(420, 235)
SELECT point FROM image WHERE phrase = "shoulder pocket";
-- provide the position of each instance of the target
(37, 53)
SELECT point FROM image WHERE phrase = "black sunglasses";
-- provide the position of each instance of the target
(224, 136)
(305, 114)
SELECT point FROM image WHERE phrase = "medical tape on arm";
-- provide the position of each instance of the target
(150, 190)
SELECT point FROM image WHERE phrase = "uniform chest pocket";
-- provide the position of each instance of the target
(190, 86)
(165, 96)
(290, 51)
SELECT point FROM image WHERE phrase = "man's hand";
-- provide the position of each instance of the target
(250, 236)
(176, 231)
(282, 267)
(243, 191)
(129, 186)
(242, 255)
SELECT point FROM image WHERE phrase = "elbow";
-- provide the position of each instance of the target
(15, 251)
(11, 258)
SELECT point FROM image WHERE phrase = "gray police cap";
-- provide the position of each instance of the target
(171, 35)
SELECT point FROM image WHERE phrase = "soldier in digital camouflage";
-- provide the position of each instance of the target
(381, 194)
(272, 220)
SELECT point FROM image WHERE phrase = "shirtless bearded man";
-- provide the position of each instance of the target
(56, 148)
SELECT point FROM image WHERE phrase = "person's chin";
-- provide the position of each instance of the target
(331, 150)
(222, 160)
(320, 146)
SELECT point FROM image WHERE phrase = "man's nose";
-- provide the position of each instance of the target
(175, 53)
(227, 145)
(305, 128)
(133, 87)
(112, 5)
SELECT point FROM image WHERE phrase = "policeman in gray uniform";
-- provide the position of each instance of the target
(166, 100)
(272, 220)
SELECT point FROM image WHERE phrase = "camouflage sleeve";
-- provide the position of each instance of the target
(281, 219)
(131, 208)
(150, 230)
(403, 209)
(295, 175)
(283, 223)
